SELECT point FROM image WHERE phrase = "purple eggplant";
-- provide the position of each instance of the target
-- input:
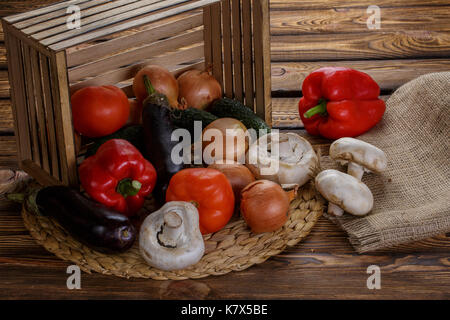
(92, 223)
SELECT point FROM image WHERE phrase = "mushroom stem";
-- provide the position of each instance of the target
(334, 209)
(171, 229)
(355, 170)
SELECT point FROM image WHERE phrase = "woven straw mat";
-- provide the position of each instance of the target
(234, 248)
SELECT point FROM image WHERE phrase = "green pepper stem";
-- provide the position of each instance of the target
(321, 109)
(128, 187)
(148, 85)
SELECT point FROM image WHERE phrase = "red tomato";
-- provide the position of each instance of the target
(99, 111)
(209, 190)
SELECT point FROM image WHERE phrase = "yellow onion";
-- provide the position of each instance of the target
(162, 80)
(199, 88)
(233, 150)
(237, 174)
(135, 112)
(264, 206)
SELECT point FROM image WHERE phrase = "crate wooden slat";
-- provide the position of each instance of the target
(40, 111)
(207, 36)
(150, 35)
(18, 97)
(43, 10)
(48, 62)
(56, 17)
(247, 52)
(227, 49)
(116, 61)
(261, 35)
(237, 50)
(119, 75)
(48, 107)
(191, 5)
(31, 104)
(107, 17)
(216, 42)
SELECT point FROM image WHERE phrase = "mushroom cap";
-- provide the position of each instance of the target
(360, 152)
(295, 164)
(345, 191)
(190, 246)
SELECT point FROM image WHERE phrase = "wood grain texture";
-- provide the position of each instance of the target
(132, 38)
(13, 7)
(3, 62)
(388, 45)
(227, 49)
(31, 104)
(323, 266)
(8, 152)
(216, 42)
(18, 95)
(262, 67)
(6, 118)
(247, 48)
(55, 30)
(122, 26)
(326, 4)
(63, 119)
(140, 53)
(354, 20)
(389, 74)
(4, 84)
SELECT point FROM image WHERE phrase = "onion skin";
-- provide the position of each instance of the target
(230, 152)
(162, 80)
(135, 112)
(199, 88)
(238, 175)
(264, 206)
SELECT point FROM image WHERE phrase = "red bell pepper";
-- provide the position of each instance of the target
(118, 176)
(340, 102)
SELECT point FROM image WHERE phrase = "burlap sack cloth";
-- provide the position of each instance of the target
(411, 198)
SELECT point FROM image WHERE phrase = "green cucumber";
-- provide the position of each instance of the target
(185, 118)
(230, 108)
(133, 134)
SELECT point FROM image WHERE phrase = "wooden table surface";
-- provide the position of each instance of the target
(324, 266)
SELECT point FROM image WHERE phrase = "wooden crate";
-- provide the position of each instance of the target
(47, 62)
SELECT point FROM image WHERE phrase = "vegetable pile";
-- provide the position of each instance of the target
(131, 149)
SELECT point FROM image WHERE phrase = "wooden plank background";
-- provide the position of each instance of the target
(414, 39)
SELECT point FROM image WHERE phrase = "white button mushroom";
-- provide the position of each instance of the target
(360, 156)
(344, 193)
(170, 238)
(284, 158)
